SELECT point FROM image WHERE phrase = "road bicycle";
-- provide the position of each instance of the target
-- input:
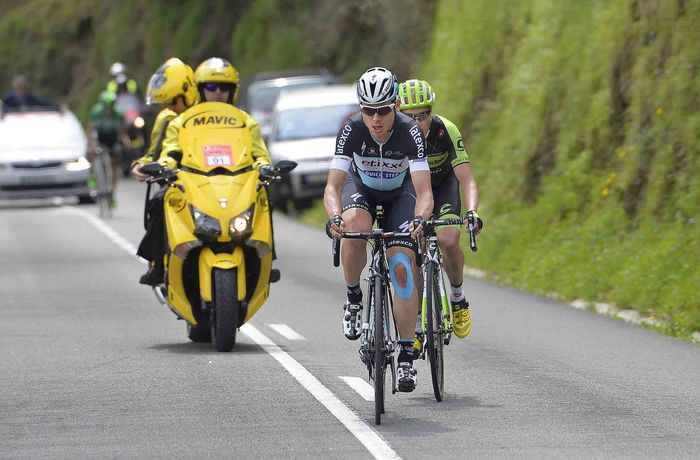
(102, 171)
(435, 314)
(379, 337)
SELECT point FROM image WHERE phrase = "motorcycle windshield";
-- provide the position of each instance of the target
(214, 135)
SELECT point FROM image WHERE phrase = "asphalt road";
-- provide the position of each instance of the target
(92, 366)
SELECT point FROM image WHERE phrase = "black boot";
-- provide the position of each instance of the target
(153, 276)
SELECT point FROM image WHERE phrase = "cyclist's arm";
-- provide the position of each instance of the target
(462, 167)
(261, 156)
(468, 186)
(424, 193)
(333, 194)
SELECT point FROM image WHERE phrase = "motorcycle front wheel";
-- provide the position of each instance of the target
(224, 310)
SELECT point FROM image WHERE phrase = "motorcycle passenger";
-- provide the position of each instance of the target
(450, 169)
(106, 131)
(380, 159)
(217, 81)
(173, 86)
(120, 82)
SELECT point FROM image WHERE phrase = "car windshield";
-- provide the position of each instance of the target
(310, 122)
(263, 97)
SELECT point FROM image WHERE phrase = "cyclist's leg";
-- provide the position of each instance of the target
(358, 218)
(358, 206)
(405, 278)
(446, 196)
(447, 206)
(116, 152)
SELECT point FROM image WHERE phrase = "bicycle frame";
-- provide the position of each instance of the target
(433, 257)
(378, 277)
(378, 341)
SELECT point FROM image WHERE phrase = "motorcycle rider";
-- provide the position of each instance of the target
(380, 159)
(173, 86)
(106, 130)
(120, 82)
(450, 170)
(217, 81)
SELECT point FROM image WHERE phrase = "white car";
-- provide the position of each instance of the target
(42, 154)
(305, 123)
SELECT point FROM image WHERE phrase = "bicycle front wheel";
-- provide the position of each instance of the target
(379, 350)
(434, 332)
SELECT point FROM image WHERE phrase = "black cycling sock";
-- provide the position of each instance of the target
(354, 294)
(406, 351)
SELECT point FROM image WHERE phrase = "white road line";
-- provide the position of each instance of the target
(287, 332)
(108, 231)
(361, 386)
(366, 435)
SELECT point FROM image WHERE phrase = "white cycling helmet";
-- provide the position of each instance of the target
(377, 87)
(117, 69)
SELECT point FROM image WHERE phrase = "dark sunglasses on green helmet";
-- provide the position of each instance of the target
(420, 116)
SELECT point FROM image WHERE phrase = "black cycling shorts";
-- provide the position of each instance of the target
(447, 203)
(398, 205)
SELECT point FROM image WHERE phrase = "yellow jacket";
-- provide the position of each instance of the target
(164, 117)
(172, 153)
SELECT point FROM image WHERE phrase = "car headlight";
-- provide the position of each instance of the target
(205, 227)
(241, 226)
(81, 164)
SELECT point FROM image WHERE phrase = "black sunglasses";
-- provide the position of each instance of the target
(380, 110)
(420, 116)
(222, 86)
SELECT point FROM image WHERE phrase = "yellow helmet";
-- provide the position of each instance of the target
(174, 78)
(217, 70)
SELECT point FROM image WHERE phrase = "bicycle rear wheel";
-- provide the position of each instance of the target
(379, 350)
(103, 177)
(435, 333)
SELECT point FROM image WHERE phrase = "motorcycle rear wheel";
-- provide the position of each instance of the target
(224, 310)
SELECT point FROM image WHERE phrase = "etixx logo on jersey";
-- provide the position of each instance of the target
(213, 119)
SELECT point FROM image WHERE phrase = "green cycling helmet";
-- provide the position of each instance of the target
(414, 94)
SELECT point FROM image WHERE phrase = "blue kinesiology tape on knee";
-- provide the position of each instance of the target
(403, 292)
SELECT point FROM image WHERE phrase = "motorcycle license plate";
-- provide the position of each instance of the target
(218, 155)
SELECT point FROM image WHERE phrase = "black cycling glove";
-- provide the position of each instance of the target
(337, 220)
(476, 218)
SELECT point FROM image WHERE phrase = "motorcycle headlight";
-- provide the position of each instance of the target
(81, 164)
(139, 122)
(205, 226)
(241, 226)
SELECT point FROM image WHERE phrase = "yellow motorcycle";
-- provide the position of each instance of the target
(218, 226)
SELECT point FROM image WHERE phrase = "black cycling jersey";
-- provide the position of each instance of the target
(444, 148)
(382, 167)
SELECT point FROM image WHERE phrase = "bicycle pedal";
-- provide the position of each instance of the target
(447, 338)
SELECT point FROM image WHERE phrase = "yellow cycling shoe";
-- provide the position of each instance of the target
(461, 318)
(418, 345)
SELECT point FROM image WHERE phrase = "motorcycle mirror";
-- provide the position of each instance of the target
(152, 169)
(285, 166)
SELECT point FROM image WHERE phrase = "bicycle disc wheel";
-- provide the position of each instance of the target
(435, 333)
(379, 353)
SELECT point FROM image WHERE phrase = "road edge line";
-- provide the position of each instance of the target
(374, 443)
